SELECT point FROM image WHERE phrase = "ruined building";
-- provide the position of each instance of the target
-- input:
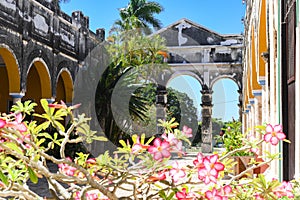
(41, 49)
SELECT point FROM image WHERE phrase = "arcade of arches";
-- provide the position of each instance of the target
(38, 82)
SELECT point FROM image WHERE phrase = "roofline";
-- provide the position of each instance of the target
(185, 20)
(195, 24)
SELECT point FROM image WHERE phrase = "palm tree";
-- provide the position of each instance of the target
(136, 54)
(139, 14)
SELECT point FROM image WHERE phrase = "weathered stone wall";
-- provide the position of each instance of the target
(39, 29)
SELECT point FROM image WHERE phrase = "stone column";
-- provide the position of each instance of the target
(161, 102)
(240, 105)
(206, 127)
(16, 97)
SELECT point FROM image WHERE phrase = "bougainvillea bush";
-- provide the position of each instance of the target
(136, 170)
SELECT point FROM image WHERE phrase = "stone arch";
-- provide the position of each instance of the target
(38, 84)
(224, 96)
(13, 73)
(234, 79)
(191, 85)
(9, 76)
(64, 86)
(32, 57)
(187, 73)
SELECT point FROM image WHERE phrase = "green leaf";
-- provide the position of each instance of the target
(171, 196)
(46, 135)
(122, 142)
(41, 141)
(44, 104)
(100, 138)
(42, 126)
(14, 147)
(162, 194)
(3, 178)
(33, 177)
(60, 126)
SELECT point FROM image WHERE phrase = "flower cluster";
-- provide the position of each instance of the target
(141, 169)
(16, 123)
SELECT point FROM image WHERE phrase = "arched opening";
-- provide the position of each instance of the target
(64, 87)
(38, 84)
(225, 99)
(9, 78)
(187, 89)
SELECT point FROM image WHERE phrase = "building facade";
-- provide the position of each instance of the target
(271, 84)
(41, 49)
(208, 57)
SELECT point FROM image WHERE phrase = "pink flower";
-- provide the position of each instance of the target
(227, 189)
(177, 172)
(274, 134)
(160, 150)
(210, 171)
(199, 161)
(188, 132)
(175, 144)
(213, 194)
(91, 161)
(285, 189)
(17, 124)
(66, 169)
(138, 147)
(62, 105)
(159, 177)
(91, 195)
(2, 123)
(183, 195)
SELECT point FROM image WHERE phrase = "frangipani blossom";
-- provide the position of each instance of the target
(158, 177)
(211, 162)
(177, 172)
(91, 195)
(138, 147)
(274, 134)
(66, 169)
(63, 105)
(184, 195)
(17, 124)
(175, 144)
(2, 123)
(160, 149)
(213, 194)
(188, 132)
(199, 161)
(285, 189)
(207, 175)
(208, 170)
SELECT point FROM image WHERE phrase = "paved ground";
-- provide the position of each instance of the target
(42, 188)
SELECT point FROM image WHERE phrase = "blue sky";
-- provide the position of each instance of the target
(222, 16)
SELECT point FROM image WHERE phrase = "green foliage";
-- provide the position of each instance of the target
(139, 14)
(137, 167)
(264, 187)
(51, 116)
(134, 60)
(26, 108)
(233, 138)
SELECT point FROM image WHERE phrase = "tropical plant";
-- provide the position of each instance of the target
(135, 59)
(139, 14)
(233, 138)
(135, 171)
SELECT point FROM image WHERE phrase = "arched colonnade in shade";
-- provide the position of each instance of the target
(33, 82)
(41, 50)
(206, 56)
